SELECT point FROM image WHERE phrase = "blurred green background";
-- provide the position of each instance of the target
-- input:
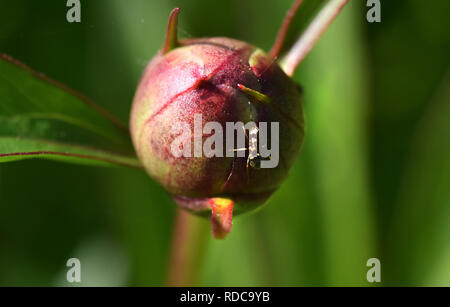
(373, 178)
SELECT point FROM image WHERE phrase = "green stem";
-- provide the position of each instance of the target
(188, 249)
(311, 35)
(282, 33)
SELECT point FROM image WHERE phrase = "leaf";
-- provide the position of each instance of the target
(336, 98)
(418, 244)
(40, 118)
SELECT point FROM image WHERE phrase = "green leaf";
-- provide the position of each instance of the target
(40, 118)
(418, 245)
(336, 105)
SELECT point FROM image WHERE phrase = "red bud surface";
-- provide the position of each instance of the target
(223, 80)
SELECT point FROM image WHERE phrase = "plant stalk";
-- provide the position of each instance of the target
(311, 35)
(281, 36)
(187, 250)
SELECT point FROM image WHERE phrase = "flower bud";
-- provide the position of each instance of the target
(189, 94)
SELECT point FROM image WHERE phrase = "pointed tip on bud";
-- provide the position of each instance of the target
(222, 216)
(254, 93)
(172, 31)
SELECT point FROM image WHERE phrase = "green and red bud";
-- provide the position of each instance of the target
(224, 80)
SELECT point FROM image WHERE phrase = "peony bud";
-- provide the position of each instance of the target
(221, 81)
